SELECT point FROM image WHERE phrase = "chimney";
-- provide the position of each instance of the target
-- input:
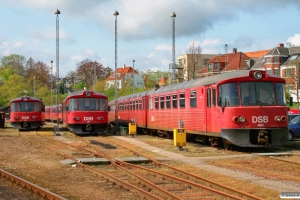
(156, 86)
(234, 51)
(124, 66)
(280, 45)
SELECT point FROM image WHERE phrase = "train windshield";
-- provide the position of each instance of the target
(25, 107)
(257, 93)
(87, 104)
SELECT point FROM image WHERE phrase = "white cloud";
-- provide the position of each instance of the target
(5, 43)
(210, 42)
(294, 40)
(18, 44)
(151, 55)
(76, 58)
(164, 47)
(89, 52)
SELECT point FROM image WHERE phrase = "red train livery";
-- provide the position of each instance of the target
(245, 108)
(85, 112)
(27, 113)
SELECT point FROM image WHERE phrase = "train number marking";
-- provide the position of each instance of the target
(25, 117)
(260, 119)
(87, 118)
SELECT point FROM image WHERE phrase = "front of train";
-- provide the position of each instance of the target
(87, 113)
(253, 111)
(27, 113)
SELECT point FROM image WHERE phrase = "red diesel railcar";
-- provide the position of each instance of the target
(245, 108)
(47, 113)
(85, 112)
(56, 113)
(27, 113)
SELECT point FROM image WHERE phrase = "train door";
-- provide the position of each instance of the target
(209, 114)
(212, 112)
(201, 108)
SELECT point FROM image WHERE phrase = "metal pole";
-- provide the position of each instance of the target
(51, 81)
(34, 86)
(95, 78)
(133, 76)
(57, 12)
(173, 15)
(116, 73)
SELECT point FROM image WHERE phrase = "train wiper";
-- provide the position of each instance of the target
(266, 100)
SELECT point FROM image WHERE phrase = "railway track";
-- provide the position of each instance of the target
(160, 179)
(30, 186)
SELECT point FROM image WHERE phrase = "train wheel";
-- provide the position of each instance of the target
(226, 144)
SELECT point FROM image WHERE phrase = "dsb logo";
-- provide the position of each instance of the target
(87, 118)
(259, 119)
(25, 117)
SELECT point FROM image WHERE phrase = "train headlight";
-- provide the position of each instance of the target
(277, 119)
(88, 93)
(235, 119)
(100, 118)
(257, 74)
(76, 118)
(283, 118)
(242, 119)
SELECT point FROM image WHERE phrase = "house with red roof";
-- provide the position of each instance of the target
(125, 77)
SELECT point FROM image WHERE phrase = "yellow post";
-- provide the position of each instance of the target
(179, 138)
(132, 129)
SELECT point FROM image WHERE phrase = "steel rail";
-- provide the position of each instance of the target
(30, 186)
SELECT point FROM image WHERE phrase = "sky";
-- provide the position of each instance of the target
(144, 29)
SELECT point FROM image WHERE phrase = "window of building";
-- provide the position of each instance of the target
(193, 99)
(268, 60)
(288, 72)
(174, 101)
(182, 100)
(269, 71)
(283, 59)
(275, 59)
(293, 57)
(276, 71)
(216, 65)
(162, 102)
(209, 68)
(168, 101)
(156, 103)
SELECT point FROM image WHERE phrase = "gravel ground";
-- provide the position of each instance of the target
(280, 186)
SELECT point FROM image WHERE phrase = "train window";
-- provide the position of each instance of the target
(13, 107)
(280, 95)
(140, 105)
(213, 96)
(156, 103)
(130, 105)
(136, 104)
(257, 93)
(193, 99)
(72, 105)
(168, 101)
(150, 104)
(103, 103)
(133, 105)
(208, 97)
(174, 101)
(182, 100)
(37, 106)
(162, 102)
(228, 95)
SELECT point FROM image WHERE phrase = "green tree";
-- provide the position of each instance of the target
(16, 62)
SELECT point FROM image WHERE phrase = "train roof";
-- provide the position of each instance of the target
(82, 91)
(198, 82)
(31, 98)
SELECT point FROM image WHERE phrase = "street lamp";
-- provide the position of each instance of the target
(51, 80)
(57, 12)
(116, 74)
(173, 15)
(34, 86)
(133, 76)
